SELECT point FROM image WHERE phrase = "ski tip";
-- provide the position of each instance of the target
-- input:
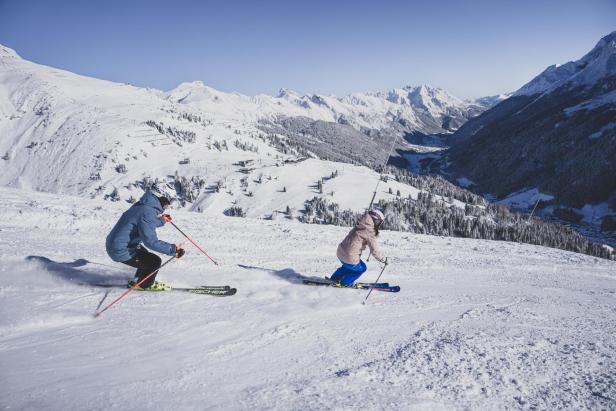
(217, 287)
(226, 293)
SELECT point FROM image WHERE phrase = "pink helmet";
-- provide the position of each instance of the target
(377, 216)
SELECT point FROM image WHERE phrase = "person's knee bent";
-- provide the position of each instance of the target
(363, 267)
(156, 261)
(153, 261)
(359, 268)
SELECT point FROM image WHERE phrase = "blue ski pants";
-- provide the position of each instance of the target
(349, 273)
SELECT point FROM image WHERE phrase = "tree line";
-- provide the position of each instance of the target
(431, 214)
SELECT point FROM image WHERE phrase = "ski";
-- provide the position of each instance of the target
(208, 287)
(357, 286)
(388, 289)
(215, 290)
(219, 292)
(375, 285)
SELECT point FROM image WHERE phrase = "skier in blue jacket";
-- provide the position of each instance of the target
(138, 225)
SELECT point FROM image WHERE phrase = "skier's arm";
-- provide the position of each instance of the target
(374, 248)
(147, 231)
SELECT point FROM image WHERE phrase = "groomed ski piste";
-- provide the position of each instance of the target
(477, 324)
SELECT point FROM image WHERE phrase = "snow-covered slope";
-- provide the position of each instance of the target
(477, 324)
(599, 63)
(490, 101)
(65, 133)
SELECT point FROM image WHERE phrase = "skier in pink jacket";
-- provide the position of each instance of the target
(350, 249)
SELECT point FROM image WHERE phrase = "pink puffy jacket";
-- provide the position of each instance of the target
(350, 249)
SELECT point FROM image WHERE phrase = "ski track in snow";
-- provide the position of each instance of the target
(478, 324)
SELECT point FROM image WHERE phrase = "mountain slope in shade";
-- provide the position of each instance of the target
(557, 134)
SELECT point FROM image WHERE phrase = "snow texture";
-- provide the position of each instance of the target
(525, 199)
(477, 324)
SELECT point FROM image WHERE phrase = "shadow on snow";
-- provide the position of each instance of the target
(287, 274)
(73, 271)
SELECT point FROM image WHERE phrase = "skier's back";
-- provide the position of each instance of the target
(136, 226)
(350, 249)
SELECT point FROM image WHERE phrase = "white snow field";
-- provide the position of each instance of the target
(477, 324)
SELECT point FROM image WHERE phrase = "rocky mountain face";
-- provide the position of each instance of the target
(557, 134)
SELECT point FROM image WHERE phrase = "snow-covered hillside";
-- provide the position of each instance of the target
(598, 64)
(477, 324)
(66, 133)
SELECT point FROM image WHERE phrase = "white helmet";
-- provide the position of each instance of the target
(377, 217)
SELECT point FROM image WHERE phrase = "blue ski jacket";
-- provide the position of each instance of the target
(138, 224)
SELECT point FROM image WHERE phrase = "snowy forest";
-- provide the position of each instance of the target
(433, 213)
(430, 215)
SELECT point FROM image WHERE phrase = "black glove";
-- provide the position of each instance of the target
(179, 252)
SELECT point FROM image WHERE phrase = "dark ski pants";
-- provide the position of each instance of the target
(145, 262)
(349, 273)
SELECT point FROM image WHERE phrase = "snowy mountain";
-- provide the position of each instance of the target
(66, 133)
(556, 136)
(491, 101)
(473, 326)
(598, 64)
(422, 109)
(477, 324)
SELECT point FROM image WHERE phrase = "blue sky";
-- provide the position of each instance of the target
(470, 48)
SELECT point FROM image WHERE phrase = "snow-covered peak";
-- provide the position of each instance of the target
(598, 63)
(433, 98)
(553, 75)
(8, 53)
(288, 93)
(194, 84)
(188, 86)
(194, 91)
(490, 101)
(360, 110)
(424, 99)
(422, 109)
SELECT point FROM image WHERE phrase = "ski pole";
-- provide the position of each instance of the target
(98, 313)
(377, 280)
(195, 244)
(391, 150)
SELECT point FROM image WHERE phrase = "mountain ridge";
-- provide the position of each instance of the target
(556, 134)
